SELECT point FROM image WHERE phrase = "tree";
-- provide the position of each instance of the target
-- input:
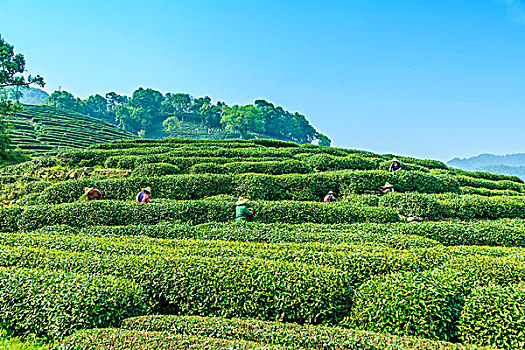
(12, 68)
(178, 105)
(171, 124)
(242, 119)
(64, 100)
(96, 106)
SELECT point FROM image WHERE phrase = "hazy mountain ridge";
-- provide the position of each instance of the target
(509, 164)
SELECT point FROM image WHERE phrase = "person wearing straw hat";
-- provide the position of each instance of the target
(330, 197)
(387, 188)
(242, 212)
(395, 166)
(92, 194)
(143, 195)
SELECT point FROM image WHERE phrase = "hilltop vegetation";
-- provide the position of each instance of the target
(441, 260)
(149, 113)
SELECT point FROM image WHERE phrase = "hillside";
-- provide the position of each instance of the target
(510, 164)
(38, 129)
(438, 264)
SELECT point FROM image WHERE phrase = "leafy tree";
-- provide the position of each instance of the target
(242, 120)
(96, 106)
(65, 100)
(113, 100)
(178, 105)
(171, 124)
(12, 68)
(128, 118)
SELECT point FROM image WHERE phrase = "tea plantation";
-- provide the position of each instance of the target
(40, 129)
(439, 264)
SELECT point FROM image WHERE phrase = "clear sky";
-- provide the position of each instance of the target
(427, 78)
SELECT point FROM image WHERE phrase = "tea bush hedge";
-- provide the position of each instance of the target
(121, 339)
(358, 262)
(82, 214)
(463, 207)
(291, 336)
(309, 187)
(489, 192)
(495, 316)
(363, 234)
(222, 286)
(155, 169)
(55, 303)
(424, 304)
(489, 184)
(324, 162)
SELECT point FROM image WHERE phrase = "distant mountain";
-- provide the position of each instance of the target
(33, 96)
(510, 164)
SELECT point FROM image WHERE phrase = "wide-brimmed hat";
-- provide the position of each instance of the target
(395, 160)
(146, 189)
(331, 192)
(241, 201)
(387, 185)
(87, 190)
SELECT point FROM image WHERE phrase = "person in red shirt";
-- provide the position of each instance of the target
(92, 194)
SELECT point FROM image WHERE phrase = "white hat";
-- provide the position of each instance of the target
(241, 201)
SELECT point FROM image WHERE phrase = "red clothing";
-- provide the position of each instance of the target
(143, 197)
(93, 194)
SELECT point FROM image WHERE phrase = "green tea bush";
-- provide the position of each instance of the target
(56, 303)
(324, 162)
(363, 234)
(207, 168)
(222, 286)
(424, 304)
(121, 339)
(489, 192)
(495, 316)
(273, 168)
(413, 204)
(82, 214)
(359, 262)
(155, 169)
(503, 232)
(305, 187)
(472, 206)
(291, 336)
(482, 270)
(489, 184)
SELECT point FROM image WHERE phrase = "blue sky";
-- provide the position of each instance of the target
(434, 78)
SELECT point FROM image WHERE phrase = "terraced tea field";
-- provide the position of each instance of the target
(40, 129)
(439, 264)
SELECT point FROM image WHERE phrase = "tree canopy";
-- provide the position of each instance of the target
(12, 69)
(150, 113)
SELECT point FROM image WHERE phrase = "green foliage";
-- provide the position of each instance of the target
(155, 169)
(424, 304)
(222, 286)
(83, 214)
(495, 316)
(324, 162)
(121, 339)
(56, 303)
(291, 336)
(362, 233)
